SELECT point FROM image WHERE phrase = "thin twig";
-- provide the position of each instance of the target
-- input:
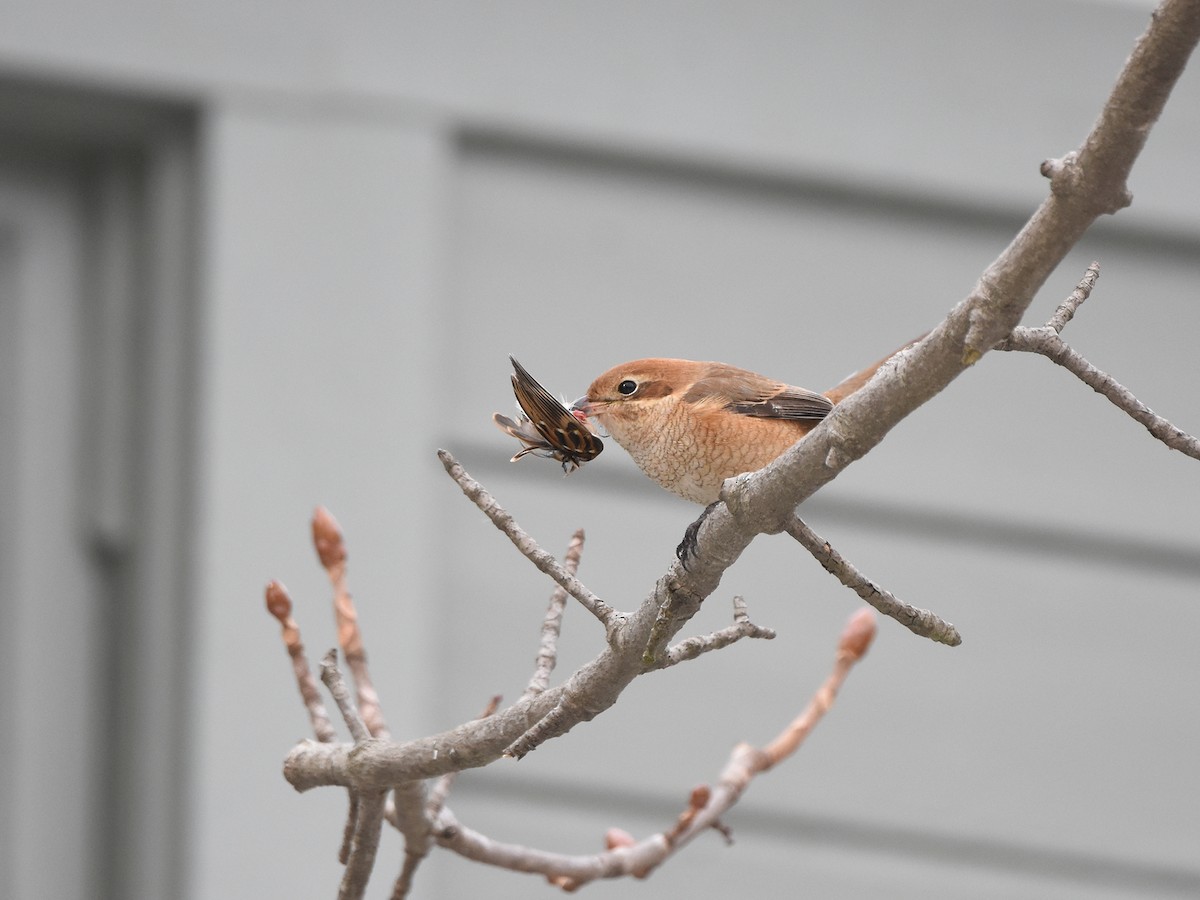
(552, 724)
(331, 675)
(279, 604)
(528, 547)
(410, 801)
(405, 879)
(853, 646)
(331, 550)
(552, 625)
(662, 629)
(1083, 290)
(919, 621)
(367, 826)
(692, 647)
(1046, 341)
(348, 829)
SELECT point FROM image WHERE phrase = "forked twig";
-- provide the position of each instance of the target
(1047, 341)
(692, 647)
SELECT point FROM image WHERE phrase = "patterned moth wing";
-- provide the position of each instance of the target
(548, 428)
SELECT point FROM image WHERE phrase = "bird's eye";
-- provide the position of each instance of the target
(627, 387)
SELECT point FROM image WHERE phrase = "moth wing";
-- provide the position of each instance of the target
(556, 424)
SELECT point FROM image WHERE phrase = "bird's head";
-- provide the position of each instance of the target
(630, 390)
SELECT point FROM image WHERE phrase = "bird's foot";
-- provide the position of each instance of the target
(687, 547)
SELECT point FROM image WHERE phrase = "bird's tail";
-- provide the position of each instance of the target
(851, 384)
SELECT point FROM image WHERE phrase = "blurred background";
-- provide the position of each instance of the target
(256, 257)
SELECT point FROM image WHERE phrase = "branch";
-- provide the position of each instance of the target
(623, 855)
(367, 826)
(332, 676)
(919, 621)
(1046, 341)
(417, 828)
(361, 838)
(567, 712)
(552, 625)
(331, 550)
(544, 561)
(742, 627)
(279, 604)
(1067, 309)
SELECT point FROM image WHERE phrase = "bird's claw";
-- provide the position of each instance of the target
(687, 547)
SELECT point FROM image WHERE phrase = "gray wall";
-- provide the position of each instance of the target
(371, 207)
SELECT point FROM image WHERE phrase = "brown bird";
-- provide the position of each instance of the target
(690, 425)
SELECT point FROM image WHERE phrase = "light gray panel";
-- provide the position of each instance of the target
(53, 703)
(937, 96)
(324, 238)
(97, 489)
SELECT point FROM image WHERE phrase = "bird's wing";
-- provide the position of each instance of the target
(753, 395)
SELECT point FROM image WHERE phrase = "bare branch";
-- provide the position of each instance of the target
(348, 829)
(742, 627)
(552, 625)
(360, 837)
(1046, 341)
(675, 610)
(331, 550)
(332, 676)
(279, 604)
(919, 621)
(528, 547)
(1066, 310)
(417, 828)
(855, 642)
(368, 824)
(562, 870)
(623, 855)
(405, 879)
(556, 722)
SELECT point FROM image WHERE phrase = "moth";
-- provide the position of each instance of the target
(548, 428)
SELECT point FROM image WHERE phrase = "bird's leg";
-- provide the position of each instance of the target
(687, 547)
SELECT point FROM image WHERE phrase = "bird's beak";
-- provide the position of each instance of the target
(582, 406)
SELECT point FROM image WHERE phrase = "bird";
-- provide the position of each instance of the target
(691, 425)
